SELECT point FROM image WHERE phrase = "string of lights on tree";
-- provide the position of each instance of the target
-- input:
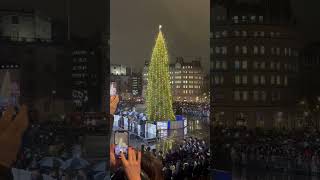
(159, 98)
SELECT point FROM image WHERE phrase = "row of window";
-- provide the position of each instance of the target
(186, 72)
(257, 65)
(79, 75)
(256, 50)
(186, 82)
(81, 60)
(186, 77)
(256, 95)
(75, 68)
(244, 33)
(257, 80)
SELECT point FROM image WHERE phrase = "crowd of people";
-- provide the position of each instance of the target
(189, 159)
(192, 109)
(296, 151)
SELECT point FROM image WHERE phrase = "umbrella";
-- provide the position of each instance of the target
(101, 167)
(75, 164)
(100, 176)
(51, 162)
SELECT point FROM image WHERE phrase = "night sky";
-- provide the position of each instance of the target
(134, 24)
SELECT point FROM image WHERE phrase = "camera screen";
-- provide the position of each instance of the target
(121, 142)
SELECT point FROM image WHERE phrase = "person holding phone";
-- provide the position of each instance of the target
(131, 165)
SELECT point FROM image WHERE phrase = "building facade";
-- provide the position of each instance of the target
(86, 76)
(254, 64)
(187, 80)
(23, 25)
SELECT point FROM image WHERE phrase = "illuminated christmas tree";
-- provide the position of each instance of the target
(159, 98)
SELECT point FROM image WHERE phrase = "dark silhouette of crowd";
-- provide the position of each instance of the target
(280, 150)
(190, 159)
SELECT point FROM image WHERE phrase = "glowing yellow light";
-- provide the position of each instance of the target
(159, 98)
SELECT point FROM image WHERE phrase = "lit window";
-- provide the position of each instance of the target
(224, 65)
(217, 50)
(256, 95)
(244, 18)
(244, 64)
(236, 19)
(253, 18)
(217, 34)
(245, 95)
(285, 80)
(218, 65)
(262, 49)
(278, 65)
(237, 79)
(263, 65)
(272, 65)
(244, 49)
(237, 64)
(244, 79)
(255, 65)
(263, 95)
(260, 19)
(255, 50)
(237, 49)
(224, 50)
(271, 34)
(236, 95)
(255, 79)
(263, 80)
(278, 80)
(244, 33)
(262, 34)
(224, 33)
(272, 80)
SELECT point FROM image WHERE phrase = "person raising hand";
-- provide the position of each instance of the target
(132, 165)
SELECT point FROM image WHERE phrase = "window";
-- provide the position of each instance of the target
(255, 50)
(217, 50)
(236, 33)
(262, 49)
(224, 65)
(256, 95)
(217, 34)
(272, 51)
(255, 34)
(236, 19)
(285, 80)
(278, 66)
(237, 49)
(272, 80)
(255, 65)
(244, 49)
(278, 51)
(261, 19)
(224, 33)
(244, 79)
(14, 20)
(237, 64)
(263, 65)
(278, 80)
(224, 50)
(244, 64)
(255, 79)
(245, 95)
(237, 79)
(271, 34)
(272, 65)
(244, 33)
(218, 65)
(263, 95)
(211, 50)
(262, 34)
(236, 95)
(244, 18)
(262, 80)
(253, 18)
